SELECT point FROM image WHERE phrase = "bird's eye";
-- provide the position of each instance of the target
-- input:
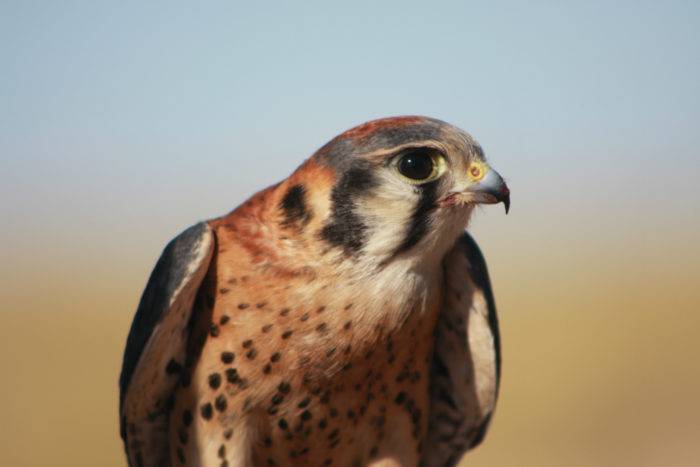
(419, 165)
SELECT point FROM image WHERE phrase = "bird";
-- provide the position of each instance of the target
(343, 316)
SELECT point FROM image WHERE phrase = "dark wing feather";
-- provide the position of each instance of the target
(155, 348)
(467, 361)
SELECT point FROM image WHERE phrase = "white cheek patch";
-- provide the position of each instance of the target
(387, 214)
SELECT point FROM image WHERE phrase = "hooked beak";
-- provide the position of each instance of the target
(491, 189)
(486, 187)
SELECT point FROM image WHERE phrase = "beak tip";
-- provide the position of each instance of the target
(505, 197)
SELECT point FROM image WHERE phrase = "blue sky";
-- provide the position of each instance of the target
(122, 123)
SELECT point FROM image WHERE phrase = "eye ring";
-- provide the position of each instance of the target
(420, 165)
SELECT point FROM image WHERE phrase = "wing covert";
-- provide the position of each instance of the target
(466, 362)
(157, 341)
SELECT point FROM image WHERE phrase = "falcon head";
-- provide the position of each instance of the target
(394, 188)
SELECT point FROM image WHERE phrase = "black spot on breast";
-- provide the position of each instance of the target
(420, 219)
(304, 403)
(294, 208)
(232, 376)
(214, 380)
(220, 403)
(227, 357)
(206, 411)
(346, 229)
(277, 398)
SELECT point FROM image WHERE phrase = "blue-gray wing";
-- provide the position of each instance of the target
(157, 342)
(466, 363)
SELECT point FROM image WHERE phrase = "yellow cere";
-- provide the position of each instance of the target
(477, 170)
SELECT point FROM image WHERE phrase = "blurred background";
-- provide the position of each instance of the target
(122, 123)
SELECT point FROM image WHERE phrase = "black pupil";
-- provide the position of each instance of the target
(417, 166)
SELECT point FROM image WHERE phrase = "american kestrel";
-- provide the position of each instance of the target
(341, 317)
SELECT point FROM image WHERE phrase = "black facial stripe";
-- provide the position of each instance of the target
(294, 207)
(420, 219)
(346, 229)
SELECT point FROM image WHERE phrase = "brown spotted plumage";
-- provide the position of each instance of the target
(341, 317)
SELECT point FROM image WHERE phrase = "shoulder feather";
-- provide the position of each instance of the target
(466, 363)
(157, 340)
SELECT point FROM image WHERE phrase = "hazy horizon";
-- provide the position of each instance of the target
(122, 124)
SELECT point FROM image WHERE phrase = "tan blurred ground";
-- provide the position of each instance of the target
(600, 365)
